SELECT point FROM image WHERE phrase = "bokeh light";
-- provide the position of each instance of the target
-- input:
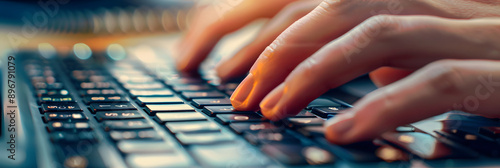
(47, 50)
(82, 51)
(116, 52)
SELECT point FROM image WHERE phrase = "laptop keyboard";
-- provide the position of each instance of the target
(157, 117)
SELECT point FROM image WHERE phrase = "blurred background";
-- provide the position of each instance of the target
(60, 24)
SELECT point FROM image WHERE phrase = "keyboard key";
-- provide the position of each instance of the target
(151, 93)
(325, 111)
(52, 86)
(407, 128)
(304, 114)
(105, 99)
(298, 122)
(129, 71)
(95, 85)
(294, 154)
(492, 132)
(65, 117)
(365, 151)
(200, 103)
(228, 155)
(267, 137)
(204, 138)
(84, 73)
(66, 137)
(155, 108)
(239, 128)
(158, 160)
(159, 100)
(60, 107)
(201, 95)
(180, 116)
(213, 110)
(98, 107)
(100, 92)
(134, 79)
(323, 102)
(472, 141)
(126, 125)
(118, 115)
(228, 86)
(184, 81)
(193, 126)
(134, 134)
(68, 126)
(93, 78)
(55, 100)
(233, 118)
(52, 93)
(143, 86)
(415, 141)
(311, 131)
(191, 88)
(145, 146)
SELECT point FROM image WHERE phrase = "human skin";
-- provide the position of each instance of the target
(452, 45)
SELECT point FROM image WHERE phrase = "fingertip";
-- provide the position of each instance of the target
(189, 63)
(269, 105)
(242, 106)
(269, 114)
(182, 61)
(338, 128)
(239, 64)
(183, 65)
(272, 99)
(387, 75)
(273, 114)
(223, 70)
(180, 65)
(238, 105)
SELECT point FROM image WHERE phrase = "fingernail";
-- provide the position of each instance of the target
(268, 104)
(242, 91)
(340, 124)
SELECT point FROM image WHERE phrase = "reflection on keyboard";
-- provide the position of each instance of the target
(170, 119)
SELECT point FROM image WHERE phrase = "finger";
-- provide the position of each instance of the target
(241, 62)
(216, 20)
(326, 22)
(420, 40)
(434, 89)
(387, 75)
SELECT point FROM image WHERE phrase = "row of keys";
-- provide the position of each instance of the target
(193, 128)
(66, 123)
(255, 129)
(135, 137)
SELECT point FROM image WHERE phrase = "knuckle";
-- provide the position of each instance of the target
(447, 78)
(297, 9)
(307, 67)
(293, 6)
(381, 27)
(389, 100)
(310, 70)
(332, 5)
(266, 56)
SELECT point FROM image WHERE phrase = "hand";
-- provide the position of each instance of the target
(330, 46)
(242, 61)
(222, 17)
